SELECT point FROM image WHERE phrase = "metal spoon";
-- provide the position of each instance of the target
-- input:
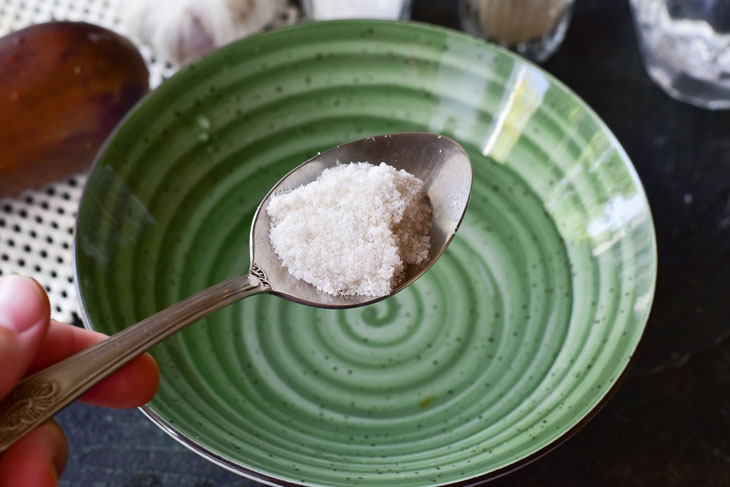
(438, 161)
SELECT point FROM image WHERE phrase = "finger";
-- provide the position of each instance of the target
(24, 316)
(131, 386)
(37, 459)
(61, 341)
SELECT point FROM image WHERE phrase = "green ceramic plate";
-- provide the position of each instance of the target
(503, 348)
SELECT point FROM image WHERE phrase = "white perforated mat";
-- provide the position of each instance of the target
(36, 227)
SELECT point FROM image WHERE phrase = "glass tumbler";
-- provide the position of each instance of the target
(533, 28)
(357, 9)
(685, 45)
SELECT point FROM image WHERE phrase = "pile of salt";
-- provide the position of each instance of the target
(353, 230)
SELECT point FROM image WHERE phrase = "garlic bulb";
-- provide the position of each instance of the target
(183, 30)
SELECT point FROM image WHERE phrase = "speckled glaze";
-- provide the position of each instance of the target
(501, 349)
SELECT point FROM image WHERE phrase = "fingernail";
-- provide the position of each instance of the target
(23, 304)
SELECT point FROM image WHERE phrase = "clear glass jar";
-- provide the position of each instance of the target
(357, 9)
(685, 45)
(533, 28)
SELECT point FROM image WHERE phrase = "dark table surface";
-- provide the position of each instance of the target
(668, 424)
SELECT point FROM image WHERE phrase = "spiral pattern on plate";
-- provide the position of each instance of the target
(507, 343)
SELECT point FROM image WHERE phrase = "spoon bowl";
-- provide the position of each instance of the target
(441, 163)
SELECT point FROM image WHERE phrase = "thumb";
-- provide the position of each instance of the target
(24, 318)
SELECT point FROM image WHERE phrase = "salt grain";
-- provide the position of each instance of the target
(354, 230)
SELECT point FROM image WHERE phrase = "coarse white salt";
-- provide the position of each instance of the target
(353, 230)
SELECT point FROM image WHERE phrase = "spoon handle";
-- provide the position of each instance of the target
(37, 397)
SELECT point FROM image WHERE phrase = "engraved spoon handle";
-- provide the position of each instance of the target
(37, 397)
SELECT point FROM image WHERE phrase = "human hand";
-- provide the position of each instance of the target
(30, 341)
